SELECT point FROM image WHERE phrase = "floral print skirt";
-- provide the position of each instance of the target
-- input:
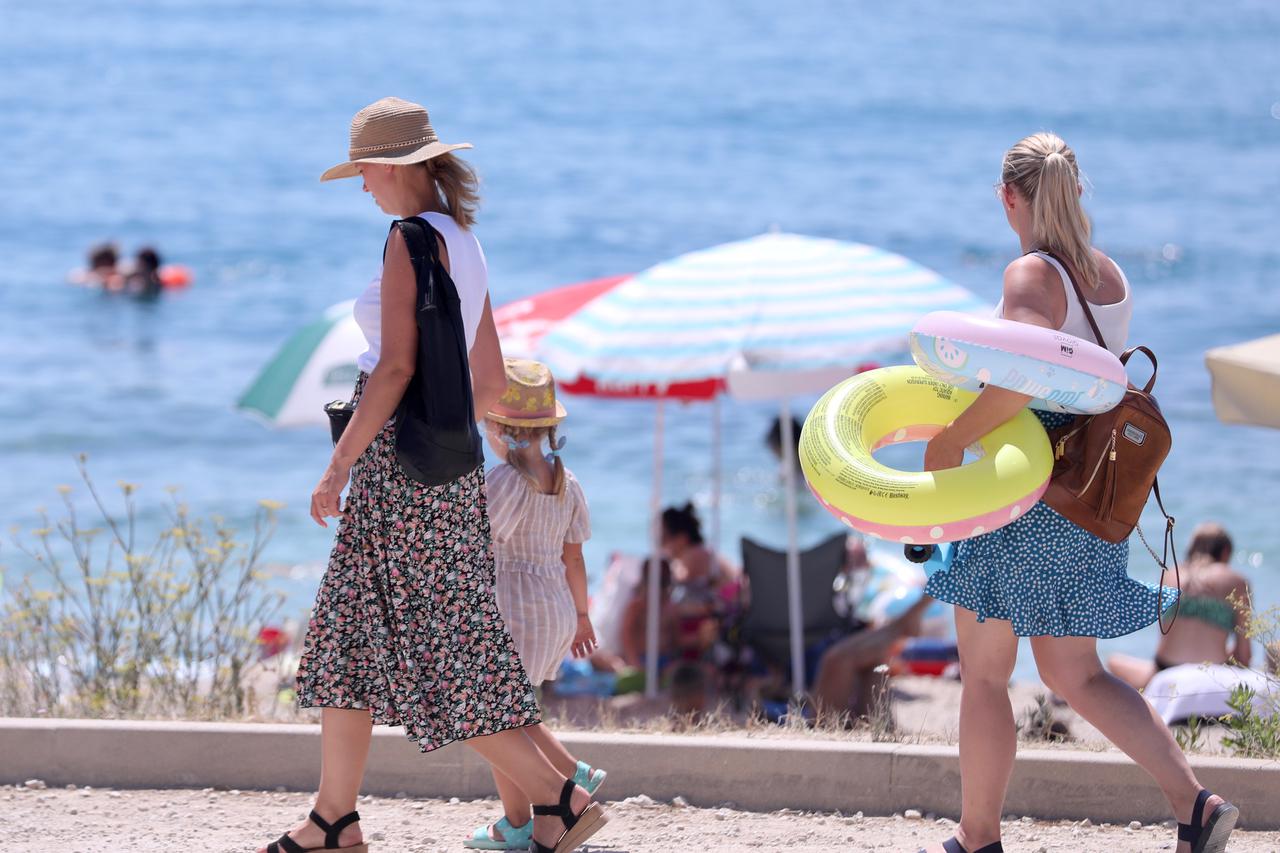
(405, 622)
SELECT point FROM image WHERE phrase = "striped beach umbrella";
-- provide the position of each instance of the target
(315, 366)
(783, 304)
(523, 324)
(772, 317)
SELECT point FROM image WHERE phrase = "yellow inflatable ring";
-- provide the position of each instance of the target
(897, 404)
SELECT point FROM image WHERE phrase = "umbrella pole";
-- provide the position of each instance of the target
(655, 557)
(717, 472)
(796, 616)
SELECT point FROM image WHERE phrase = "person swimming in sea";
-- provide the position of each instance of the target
(102, 269)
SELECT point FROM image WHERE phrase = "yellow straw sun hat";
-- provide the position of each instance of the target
(530, 398)
(391, 131)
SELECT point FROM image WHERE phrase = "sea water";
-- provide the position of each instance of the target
(610, 136)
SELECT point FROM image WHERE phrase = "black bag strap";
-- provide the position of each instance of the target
(424, 254)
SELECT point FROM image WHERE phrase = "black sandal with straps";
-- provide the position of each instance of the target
(1209, 836)
(577, 827)
(953, 845)
(331, 831)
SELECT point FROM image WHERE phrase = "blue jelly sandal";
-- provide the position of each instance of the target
(513, 837)
(588, 777)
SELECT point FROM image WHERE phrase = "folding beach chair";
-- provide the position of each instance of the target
(764, 625)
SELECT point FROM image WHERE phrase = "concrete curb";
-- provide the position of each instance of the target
(757, 774)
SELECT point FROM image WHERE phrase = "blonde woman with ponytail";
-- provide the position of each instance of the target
(540, 520)
(1042, 576)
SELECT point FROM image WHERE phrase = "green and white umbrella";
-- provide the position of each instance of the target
(314, 367)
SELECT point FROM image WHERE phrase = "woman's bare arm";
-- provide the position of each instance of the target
(397, 360)
(488, 374)
(1027, 299)
(386, 384)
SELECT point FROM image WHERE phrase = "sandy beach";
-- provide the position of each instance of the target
(150, 821)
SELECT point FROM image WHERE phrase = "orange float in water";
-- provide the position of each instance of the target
(175, 276)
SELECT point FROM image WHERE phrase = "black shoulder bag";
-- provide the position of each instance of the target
(436, 436)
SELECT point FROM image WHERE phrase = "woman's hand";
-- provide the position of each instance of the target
(943, 451)
(326, 499)
(584, 638)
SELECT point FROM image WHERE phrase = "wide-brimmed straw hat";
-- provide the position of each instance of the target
(530, 398)
(391, 131)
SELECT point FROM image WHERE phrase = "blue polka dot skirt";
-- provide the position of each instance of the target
(1049, 577)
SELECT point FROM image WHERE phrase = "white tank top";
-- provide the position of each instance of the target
(467, 268)
(1113, 320)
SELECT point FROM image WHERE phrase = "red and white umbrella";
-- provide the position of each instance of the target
(524, 323)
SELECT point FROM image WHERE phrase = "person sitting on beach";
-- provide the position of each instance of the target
(704, 583)
(847, 682)
(633, 634)
(1213, 614)
(102, 270)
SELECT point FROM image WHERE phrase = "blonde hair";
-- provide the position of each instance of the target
(535, 436)
(1043, 169)
(457, 187)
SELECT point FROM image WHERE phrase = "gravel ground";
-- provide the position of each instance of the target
(168, 821)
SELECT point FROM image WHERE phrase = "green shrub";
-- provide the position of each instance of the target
(1251, 734)
(111, 627)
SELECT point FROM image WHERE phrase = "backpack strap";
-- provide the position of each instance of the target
(1084, 303)
(1124, 359)
(1170, 554)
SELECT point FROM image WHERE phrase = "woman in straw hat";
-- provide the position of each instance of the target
(405, 629)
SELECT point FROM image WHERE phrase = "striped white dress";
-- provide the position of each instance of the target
(530, 529)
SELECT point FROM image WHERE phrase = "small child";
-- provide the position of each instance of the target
(539, 520)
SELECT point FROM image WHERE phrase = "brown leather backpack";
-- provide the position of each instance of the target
(1105, 465)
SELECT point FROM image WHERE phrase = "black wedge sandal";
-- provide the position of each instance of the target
(1209, 836)
(953, 845)
(577, 827)
(331, 831)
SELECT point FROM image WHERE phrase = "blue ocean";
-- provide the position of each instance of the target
(610, 137)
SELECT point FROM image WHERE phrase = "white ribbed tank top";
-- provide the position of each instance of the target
(1113, 320)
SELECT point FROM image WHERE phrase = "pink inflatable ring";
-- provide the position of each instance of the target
(1062, 373)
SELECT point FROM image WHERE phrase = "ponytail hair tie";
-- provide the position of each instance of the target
(514, 444)
(556, 447)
